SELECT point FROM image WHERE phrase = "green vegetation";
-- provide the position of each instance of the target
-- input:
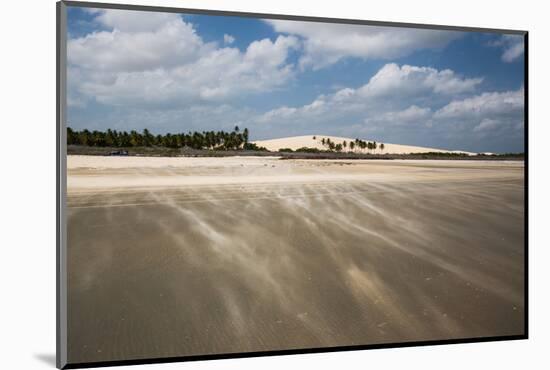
(221, 143)
(352, 145)
(307, 150)
(214, 140)
(252, 146)
(443, 154)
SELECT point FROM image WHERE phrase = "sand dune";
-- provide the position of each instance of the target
(296, 142)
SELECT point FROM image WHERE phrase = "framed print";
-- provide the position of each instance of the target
(234, 184)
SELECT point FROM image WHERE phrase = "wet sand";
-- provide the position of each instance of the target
(190, 256)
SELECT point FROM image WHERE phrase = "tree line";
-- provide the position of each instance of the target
(343, 146)
(216, 140)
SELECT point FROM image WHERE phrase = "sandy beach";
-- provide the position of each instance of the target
(189, 256)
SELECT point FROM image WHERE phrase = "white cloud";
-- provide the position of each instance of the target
(162, 61)
(411, 115)
(412, 80)
(513, 52)
(512, 46)
(264, 53)
(228, 39)
(75, 102)
(488, 103)
(393, 89)
(327, 43)
(276, 114)
(419, 104)
(490, 114)
(486, 124)
(173, 43)
(133, 21)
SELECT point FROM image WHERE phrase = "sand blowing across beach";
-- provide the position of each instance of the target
(191, 256)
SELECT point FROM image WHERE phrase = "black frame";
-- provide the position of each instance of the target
(61, 185)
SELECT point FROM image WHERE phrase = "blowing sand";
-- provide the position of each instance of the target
(189, 256)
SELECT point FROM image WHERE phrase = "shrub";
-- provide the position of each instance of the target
(308, 150)
(252, 146)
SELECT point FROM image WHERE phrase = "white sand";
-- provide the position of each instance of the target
(296, 142)
(116, 162)
(104, 173)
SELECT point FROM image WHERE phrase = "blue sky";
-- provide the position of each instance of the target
(177, 73)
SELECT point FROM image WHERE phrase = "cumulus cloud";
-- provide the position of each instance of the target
(152, 70)
(488, 103)
(132, 21)
(512, 47)
(486, 124)
(411, 115)
(494, 114)
(327, 43)
(75, 102)
(228, 39)
(413, 105)
(389, 89)
(412, 80)
(392, 88)
(158, 59)
(172, 43)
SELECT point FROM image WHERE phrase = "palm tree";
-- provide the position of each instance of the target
(147, 137)
(71, 137)
(197, 140)
(245, 136)
(116, 138)
(109, 138)
(351, 145)
(382, 147)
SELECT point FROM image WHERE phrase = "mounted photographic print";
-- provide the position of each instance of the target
(235, 184)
